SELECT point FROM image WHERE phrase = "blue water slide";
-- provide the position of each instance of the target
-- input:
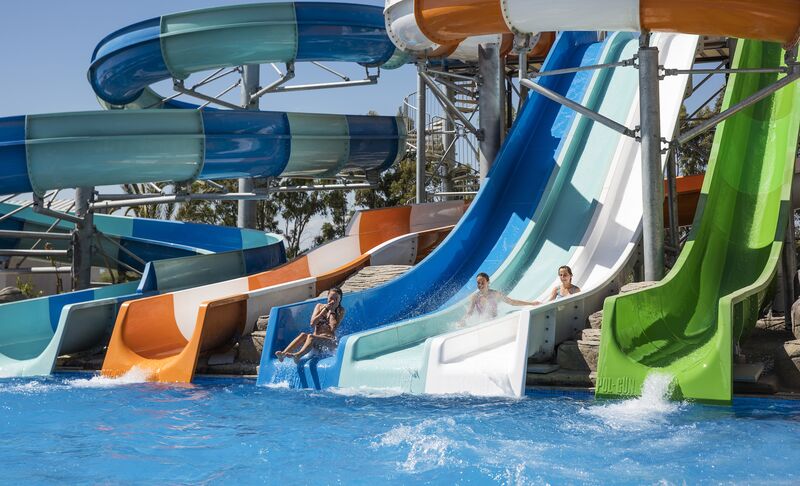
(131, 242)
(182, 143)
(483, 239)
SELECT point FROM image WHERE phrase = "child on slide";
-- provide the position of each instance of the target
(484, 301)
(566, 288)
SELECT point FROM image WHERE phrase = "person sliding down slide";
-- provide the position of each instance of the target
(324, 321)
(484, 301)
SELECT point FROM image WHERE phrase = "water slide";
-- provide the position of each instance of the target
(134, 146)
(687, 324)
(34, 332)
(164, 334)
(450, 21)
(132, 242)
(590, 219)
(483, 239)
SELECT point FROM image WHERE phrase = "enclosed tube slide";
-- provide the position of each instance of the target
(131, 242)
(687, 324)
(591, 220)
(448, 22)
(164, 335)
(482, 240)
(101, 148)
(404, 32)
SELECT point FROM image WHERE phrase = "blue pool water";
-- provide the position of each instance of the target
(78, 429)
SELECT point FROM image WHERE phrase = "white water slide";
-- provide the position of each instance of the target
(490, 358)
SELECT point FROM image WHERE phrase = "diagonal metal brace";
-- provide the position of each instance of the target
(591, 114)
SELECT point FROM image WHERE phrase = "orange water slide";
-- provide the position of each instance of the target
(448, 22)
(164, 335)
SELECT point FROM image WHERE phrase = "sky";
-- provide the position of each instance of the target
(46, 47)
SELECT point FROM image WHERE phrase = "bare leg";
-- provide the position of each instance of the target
(292, 345)
(305, 349)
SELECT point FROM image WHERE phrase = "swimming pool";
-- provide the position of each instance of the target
(76, 429)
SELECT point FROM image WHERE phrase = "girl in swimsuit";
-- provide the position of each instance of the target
(566, 288)
(324, 321)
(484, 301)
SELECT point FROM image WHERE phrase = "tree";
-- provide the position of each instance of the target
(151, 211)
(224, 213)
(334, 205)
(695, 154)
(297, 209)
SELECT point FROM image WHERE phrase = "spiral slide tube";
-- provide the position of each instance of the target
(686, 324)
(41, 152)
(165, 334)
(591, 221)
(482, 240)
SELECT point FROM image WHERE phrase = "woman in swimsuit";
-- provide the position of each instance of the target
(484, 301)
(566, 288)
(324, 321)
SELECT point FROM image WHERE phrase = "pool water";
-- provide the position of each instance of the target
(73, 428)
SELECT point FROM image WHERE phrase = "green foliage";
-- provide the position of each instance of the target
(27, 288)
(336, 207)
(695, 154)
(223, 213)
(297, 209)
(152, 211)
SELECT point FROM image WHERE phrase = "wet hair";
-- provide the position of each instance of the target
(482, 274)
(565, 267)
(336, 290)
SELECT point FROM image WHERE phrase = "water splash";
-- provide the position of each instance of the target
(429, 446)
(649, 410)
(133, 376)
(367, 392)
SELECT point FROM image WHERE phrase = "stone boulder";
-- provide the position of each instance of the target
(250, 347)
(634, 286)
(11, 294)
(595, 320)
(787, 364)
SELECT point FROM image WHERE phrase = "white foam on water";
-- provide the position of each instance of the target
(30, 388)
(367, 392)
(133, 376)
(649, 410)
(428, 445)
(281, 385)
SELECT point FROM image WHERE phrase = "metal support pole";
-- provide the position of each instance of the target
(523, 74)
(421, 121)
(789, 260)
(652, 179)
(448, 145)
(672, 197)
(82, 239)
(246, 216)
(491, 104)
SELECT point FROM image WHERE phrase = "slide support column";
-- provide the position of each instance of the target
(421, 148)
(246, 215)
(491, 104)
(82, 239)
(449, 146)
(652, 178)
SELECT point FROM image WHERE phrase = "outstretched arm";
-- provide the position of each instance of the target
(508, 300)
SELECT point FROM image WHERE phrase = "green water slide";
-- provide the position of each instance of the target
(687, 324)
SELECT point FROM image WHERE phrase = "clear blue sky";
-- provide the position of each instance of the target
(46, 46)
